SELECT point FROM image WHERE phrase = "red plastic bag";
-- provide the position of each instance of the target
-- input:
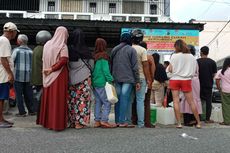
(12, 93)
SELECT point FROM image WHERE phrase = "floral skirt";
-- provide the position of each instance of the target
(79, 99)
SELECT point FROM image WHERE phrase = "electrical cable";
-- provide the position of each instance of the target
(218, 33)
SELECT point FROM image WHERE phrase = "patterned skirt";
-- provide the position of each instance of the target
(79, 100)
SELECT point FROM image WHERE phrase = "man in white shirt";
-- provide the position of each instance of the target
(6, 65)
(145, 79)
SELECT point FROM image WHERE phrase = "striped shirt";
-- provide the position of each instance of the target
(22, 57)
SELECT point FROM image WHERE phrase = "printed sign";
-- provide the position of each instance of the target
(162, 40)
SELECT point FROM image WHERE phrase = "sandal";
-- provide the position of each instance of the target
(79, 126)
(97, 124)
(179, 126)
(8, 122)
(222, 123)
(126, 126)
(108, 125)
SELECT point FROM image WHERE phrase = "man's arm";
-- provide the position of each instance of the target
(147, 73)
(6, 65)
(152, 66)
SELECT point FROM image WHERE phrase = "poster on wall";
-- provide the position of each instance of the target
(162, 40)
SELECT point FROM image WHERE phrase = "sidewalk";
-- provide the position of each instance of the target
(30, 121)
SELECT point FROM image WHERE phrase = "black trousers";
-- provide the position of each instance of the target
(206, 96)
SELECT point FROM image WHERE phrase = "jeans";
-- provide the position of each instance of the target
(24, 89)
(140, 97)
(121, 107)
(102, 105)
(132, 100)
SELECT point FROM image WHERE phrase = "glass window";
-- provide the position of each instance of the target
(93, 7)
(112, 7)
(153, 9)
(51, 6)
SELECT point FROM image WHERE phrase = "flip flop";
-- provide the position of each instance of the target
(108, 125)
(79, 126)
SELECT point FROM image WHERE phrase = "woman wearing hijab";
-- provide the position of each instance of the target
(101, 75)
(53, 113)
(80, 67)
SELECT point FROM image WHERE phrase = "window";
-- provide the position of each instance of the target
(51, 6)
(93, 7)
(153, 9)
(112, 7)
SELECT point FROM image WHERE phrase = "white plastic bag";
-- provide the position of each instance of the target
(111, 93)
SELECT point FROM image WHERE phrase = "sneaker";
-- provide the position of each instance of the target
(5, 125)
(21, 115)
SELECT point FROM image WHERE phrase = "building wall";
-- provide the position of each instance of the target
(71, 5)
(220, 47)
(133, 7)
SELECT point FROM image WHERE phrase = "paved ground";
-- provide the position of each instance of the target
(27, 137)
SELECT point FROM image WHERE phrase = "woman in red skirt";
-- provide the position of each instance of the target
(53, 113)
(183, 67)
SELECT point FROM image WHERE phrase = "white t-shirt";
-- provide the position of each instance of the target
(141, 57)
(5, 51)
(183, 66)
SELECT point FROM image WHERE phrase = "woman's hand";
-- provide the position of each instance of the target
(47, 71)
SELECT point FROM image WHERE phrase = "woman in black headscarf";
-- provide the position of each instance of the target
(80, 67)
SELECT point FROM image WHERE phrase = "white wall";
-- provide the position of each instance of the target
(220, 47)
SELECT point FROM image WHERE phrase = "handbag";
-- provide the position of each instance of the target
(111, 93)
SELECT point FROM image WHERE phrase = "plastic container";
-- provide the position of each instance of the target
(165, 116)
(217, 115)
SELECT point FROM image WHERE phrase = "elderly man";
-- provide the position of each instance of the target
(6, 66)
(22, 57)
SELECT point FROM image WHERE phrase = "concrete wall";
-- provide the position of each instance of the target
(220, 47)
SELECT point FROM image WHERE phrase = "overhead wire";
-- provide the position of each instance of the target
(220, 2)
(218, 34)
(213, 2)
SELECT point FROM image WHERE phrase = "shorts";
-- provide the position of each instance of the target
(183, 85)
(4, 91)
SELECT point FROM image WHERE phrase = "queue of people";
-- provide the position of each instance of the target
(65, 75)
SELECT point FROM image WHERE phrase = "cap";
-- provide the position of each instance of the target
(10, 26)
